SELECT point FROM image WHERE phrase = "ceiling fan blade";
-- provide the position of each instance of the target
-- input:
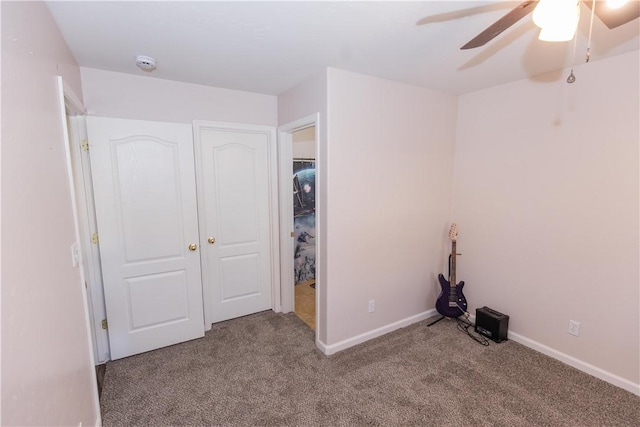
(613, 18)
(464, 13)
(519, 12)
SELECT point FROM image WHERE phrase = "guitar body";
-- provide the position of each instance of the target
(451, 301)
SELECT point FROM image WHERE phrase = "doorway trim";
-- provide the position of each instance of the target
(70, 102)
(90, 252)
(285, 168)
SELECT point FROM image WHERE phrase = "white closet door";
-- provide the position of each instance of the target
(144, 183)
(233, 166)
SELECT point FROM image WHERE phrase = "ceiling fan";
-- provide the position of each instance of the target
(611, 17)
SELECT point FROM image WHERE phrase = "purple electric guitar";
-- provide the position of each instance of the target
(451, 301)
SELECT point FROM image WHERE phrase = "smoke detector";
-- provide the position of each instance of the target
(146, 63)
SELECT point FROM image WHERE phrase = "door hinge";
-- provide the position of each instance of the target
(292, 234)
(85, 145)
(105, 325)
(94, 239)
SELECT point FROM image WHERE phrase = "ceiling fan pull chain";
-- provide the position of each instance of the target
(593, 12)
(572, 77)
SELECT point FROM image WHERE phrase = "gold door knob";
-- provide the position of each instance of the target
(193, 247)
(211, 240)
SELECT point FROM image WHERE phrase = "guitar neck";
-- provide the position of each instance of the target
(452, 279)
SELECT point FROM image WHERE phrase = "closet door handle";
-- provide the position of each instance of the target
(193, 247)
(211, 240)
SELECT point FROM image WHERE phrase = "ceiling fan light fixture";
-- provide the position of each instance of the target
(616, 4)
(559, 33)
(557, 19)
(543, 13)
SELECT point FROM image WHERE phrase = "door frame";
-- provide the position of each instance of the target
(274, 225)
(285, 167)
(71, 105)
(90, 251)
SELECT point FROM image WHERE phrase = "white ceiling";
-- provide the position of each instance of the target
(269, 47)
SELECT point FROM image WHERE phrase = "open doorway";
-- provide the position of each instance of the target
(309, 269)
(304, 224)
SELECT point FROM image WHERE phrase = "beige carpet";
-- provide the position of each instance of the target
(264, 370)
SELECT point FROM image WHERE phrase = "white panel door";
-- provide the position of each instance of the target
(144, 183)
(233, 166)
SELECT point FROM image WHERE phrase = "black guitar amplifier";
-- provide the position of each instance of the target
(492, 324)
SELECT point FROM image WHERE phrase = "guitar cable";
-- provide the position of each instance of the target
(464, 324)
(463, 320)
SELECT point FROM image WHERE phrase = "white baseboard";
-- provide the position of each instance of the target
(359, 339)
(577, 363)
(572, 361)
(546, 350)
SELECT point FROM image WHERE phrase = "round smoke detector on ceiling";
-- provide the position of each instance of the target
(146, 63)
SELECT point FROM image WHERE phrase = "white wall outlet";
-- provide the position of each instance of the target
(574, 328)
(372, 306)
(75, 254)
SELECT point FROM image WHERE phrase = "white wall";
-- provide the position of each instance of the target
(143, 97)
(304, 149)
(47, 372)
(389, 179)
(546, 199)
(304, 143)
(309, 97)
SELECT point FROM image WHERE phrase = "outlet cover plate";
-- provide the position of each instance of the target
(574, 328)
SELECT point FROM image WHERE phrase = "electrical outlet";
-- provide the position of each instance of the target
(574, 328)
(75, 254)
(372, 306)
